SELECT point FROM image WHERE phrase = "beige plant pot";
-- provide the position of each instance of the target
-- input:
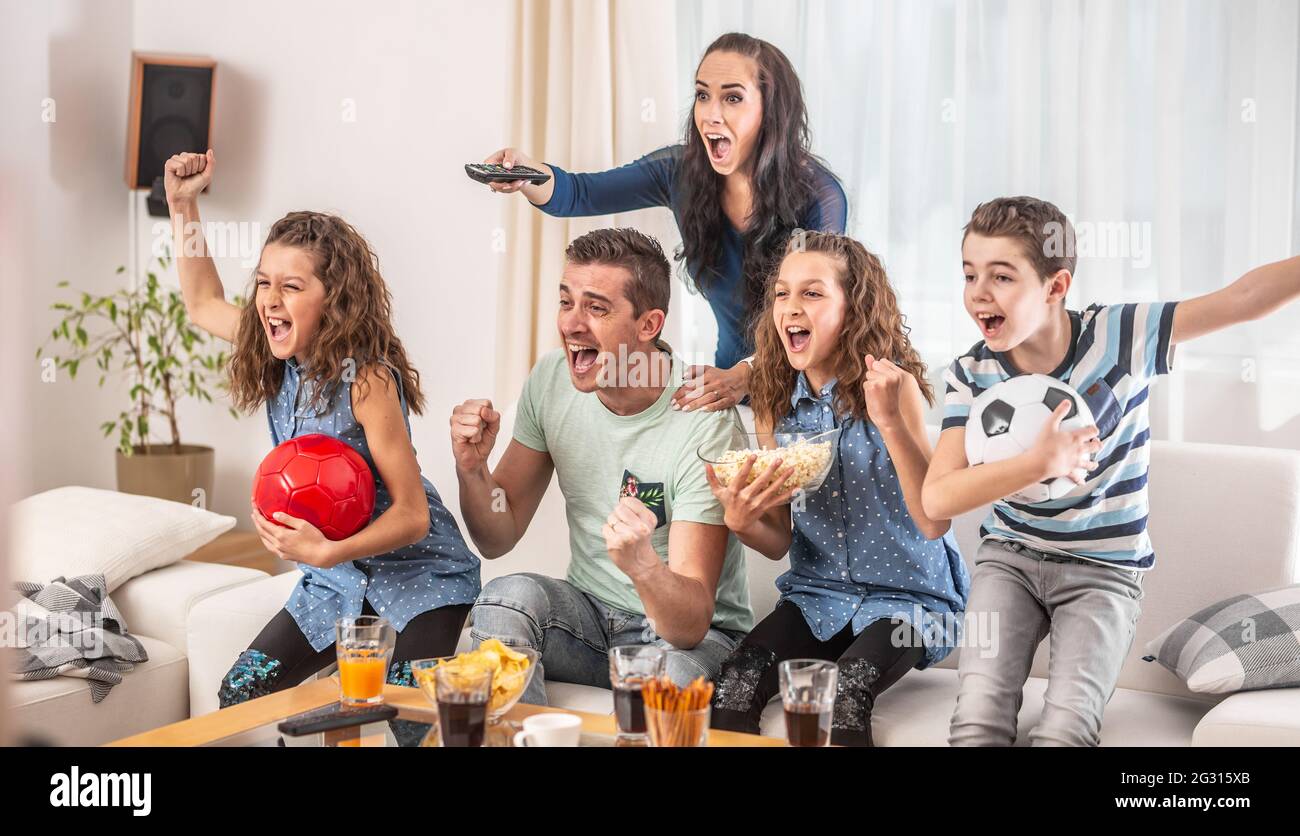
(186, 476)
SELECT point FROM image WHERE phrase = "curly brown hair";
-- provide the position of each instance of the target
(356, 327)
(872, 325)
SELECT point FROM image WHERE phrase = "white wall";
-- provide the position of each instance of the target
(425, 98)
(65, 215)
(47, 52)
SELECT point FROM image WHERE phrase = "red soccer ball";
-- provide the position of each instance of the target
(319, 479)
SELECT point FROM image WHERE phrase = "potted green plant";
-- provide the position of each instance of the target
(144, 334)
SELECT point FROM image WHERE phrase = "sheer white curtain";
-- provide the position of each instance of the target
(1165, 130)
(592, 87)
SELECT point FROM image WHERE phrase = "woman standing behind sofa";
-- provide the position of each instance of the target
(739, 184)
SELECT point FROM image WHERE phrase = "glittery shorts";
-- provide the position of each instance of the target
(253, 675)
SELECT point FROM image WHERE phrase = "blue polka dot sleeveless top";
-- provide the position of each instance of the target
(438, 571)
(856, 556)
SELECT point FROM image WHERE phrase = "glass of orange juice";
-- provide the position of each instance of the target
(365, 646)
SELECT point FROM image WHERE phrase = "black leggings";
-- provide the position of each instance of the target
(869, 663)
(281, 657)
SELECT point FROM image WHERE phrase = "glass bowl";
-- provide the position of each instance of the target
(503, 698)
(811, 454)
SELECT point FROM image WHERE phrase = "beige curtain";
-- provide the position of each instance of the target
(594, 86)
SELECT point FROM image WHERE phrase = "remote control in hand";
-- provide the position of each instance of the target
(492, 173)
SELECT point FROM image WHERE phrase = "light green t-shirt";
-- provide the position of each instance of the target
(600, 456)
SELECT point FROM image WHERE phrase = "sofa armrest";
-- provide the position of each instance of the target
(157, 604)
(1252, 718)
(221, 627)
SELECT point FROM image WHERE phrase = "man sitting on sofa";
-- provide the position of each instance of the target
(650, 559)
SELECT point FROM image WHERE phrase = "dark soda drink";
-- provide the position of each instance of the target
(462, 724)
(807, 724)
(629, 707)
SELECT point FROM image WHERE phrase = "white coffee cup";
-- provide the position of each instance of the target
(550, 730)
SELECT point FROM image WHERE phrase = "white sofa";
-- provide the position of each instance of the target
(156, 608)
(1224, 520)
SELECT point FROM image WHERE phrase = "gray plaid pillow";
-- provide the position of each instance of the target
(1242, 643)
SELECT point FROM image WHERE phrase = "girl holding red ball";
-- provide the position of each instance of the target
(315, 344)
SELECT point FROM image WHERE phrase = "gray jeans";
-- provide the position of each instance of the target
(574, 632)
(1089, 610)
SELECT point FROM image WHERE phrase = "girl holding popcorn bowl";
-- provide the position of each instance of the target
(874, 584)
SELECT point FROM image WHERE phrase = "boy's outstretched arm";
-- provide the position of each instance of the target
(952, 487)
(1255, 295)
(184, 176)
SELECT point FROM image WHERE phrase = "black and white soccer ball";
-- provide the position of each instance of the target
(1007, 419)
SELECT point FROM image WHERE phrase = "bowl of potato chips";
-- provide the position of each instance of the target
(512, 669)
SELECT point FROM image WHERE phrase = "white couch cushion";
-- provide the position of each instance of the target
(1253, 718)
(75, 531)
(59, 710)
(158, 603)
(222, 625)
(917, 709)
(580, 697)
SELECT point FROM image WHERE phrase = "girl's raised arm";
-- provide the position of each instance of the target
(185, 175)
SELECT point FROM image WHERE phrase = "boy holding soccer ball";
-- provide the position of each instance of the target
(1071, 566)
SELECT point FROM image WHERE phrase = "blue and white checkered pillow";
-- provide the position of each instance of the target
(1242, 643)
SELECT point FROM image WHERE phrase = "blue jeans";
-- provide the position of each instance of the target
(574, 632)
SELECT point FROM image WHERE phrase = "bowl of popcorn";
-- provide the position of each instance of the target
(810, 454)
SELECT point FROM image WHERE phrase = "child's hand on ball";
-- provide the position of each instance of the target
(1066, 453)
(185, 175)
(294, 539)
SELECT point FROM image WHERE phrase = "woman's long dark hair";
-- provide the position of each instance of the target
(783, 177)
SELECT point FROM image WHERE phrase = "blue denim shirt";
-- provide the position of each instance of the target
(438, 571)
(856, 555)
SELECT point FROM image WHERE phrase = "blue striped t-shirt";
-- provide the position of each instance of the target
(1115, 353)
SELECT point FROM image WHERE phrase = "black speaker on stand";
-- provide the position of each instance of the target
(170, 112)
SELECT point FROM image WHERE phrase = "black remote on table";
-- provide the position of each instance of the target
(335, 716)
(493, 173)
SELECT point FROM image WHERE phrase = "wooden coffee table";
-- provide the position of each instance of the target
(254, 723)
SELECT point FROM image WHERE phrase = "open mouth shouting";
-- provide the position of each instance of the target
(278, 328)
(990, 323)
(797, 338)
(719, 147)
(582, 357)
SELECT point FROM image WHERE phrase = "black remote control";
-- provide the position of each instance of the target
(335, 716)
(492, 173)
